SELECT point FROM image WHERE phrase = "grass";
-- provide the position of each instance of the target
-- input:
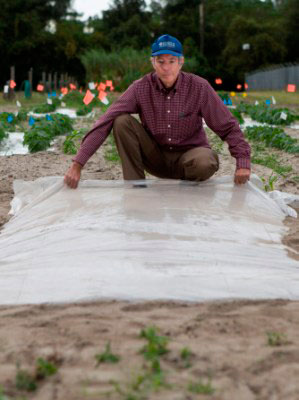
(271, 161)
(111, 153)
(186, 356)
(201, 387)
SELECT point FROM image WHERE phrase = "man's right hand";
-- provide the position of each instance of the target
(73, 175)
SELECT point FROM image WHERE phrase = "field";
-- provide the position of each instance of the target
(152, 350)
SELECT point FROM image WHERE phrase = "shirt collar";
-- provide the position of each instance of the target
(162, 88)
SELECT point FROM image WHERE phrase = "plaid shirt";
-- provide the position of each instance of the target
(174, 118)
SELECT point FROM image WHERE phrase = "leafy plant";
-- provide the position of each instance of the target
(41, 134)
(269, 115)
(84, 110)
(276, 339)
(186, 356)
(72, 141)
(107, 356)
(272, 162)
(25, 381)
(156, 345)
(44, 108)
(45, 368)
(269, 184)
(273, 137)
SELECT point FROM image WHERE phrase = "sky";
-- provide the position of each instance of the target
(91, 8)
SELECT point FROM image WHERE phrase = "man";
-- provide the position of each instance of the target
(170, 141)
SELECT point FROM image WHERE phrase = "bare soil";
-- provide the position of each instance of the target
(228, 340)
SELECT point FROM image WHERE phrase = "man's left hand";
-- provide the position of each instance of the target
(242, 175)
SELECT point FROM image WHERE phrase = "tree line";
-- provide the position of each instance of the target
(46, 35)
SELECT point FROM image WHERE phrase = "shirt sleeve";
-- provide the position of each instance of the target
(218, 117)
(126, 104)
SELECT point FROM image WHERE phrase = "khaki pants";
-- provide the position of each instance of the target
(139, 152)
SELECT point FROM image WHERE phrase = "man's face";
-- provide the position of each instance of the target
(167, 68)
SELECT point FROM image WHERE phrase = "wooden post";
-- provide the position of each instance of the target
(201, 25)
(55, 81)
(30, 76)
(49, 88)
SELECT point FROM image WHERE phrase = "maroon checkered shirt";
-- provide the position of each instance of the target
(174, 118)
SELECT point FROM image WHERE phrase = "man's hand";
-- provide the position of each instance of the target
(242, 175)
(73, 175)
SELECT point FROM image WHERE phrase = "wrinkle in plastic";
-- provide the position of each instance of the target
(170, 240)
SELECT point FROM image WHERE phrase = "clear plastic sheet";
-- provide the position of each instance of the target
(169, 240)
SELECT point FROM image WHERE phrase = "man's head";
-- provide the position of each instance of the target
(167, 58)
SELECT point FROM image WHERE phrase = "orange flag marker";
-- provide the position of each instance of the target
(102, 95)
(12, 84)
(40, 88)
(102, 86)
(88, 97)
(109, 83)
(291, 88)
(246, 85)
(218, 81)
(72, 86)
(239, 86)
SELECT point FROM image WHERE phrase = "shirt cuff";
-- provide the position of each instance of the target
(81, 158)
(243, 163)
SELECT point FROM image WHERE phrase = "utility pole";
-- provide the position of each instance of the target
(201, 25)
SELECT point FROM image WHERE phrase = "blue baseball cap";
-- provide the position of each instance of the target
(167, 44)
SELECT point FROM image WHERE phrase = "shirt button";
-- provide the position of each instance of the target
(168, 111)
(169, 139)
(170, 148)
(168, 97)
(168, 126)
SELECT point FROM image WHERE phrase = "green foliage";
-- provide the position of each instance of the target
(107, 356)
(45, 368)
(201, 387)
(237, 114)
(44, 108)
(84, 110)
(266, 114)
(25, 381)
(73, 99)
(269, 183)
(72, 141)
(156, 345)
(273, 137)
(275, 339)
(41, 134)
(3, 133)
(186, 356)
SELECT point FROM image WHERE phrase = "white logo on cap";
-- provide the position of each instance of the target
(167, 44)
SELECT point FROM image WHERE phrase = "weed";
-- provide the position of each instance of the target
(45, 368)
(201, 387)
(186, 355)
(25, 381)
(156, 345)
(276, 339)
(269, 185)
(72, 141)
(107, 356)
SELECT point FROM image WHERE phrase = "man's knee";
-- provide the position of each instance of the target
(121, 121)
(200, 164)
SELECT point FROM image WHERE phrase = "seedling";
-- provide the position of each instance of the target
(156, 345)
(269, 185)
(186, 355)
(276, 339)
(45, 368)
(25, 381)
(107, 356)
(201, 387)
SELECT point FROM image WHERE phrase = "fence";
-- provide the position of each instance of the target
(273, 78)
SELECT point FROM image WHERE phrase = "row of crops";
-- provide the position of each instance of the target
(39, 132)
(47, 124)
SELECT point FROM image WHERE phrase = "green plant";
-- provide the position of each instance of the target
(84, 110)
(2, 395)
(186, 356)
(44, 108)
(45, 368)
(276, 339)
(72, 141)
(107, 356)
(156, 345)
(25, 381)
(269, 115)
(269, 184)
(273, 137)
(201, 387)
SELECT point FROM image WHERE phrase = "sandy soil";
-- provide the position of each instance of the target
(228, 341)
